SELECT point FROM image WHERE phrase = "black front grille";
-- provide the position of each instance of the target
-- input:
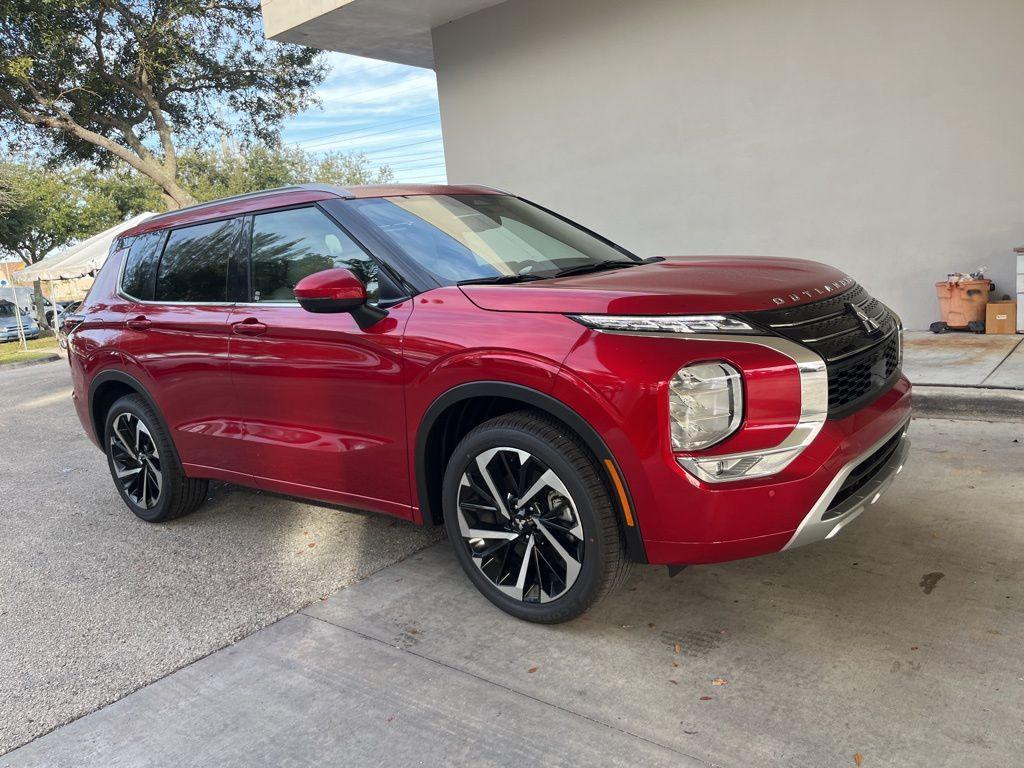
(861, 364)
(864, 471)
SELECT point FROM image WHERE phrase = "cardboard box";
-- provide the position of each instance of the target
(1001, 317)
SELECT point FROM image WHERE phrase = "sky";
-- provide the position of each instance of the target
(387, 111)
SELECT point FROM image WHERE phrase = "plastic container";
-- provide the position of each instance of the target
(962, 303)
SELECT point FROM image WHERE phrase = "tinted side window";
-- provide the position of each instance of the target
(140, 266)
(194, 266)
(288, 245)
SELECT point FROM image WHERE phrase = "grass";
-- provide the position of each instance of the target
(11, 351)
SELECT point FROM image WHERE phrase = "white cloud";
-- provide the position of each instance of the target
(385, 110)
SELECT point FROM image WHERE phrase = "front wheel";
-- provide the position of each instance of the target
(530, 519)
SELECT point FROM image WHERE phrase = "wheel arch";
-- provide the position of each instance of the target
(461, 408)
(110, 386)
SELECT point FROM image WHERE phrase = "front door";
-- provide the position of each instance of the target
(322, 400)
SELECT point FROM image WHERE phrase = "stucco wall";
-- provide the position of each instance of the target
(883, 136)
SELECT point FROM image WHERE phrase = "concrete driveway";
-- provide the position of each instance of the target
(95, 603)
(896, 644)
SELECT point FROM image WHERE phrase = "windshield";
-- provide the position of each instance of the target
(481, 237)
(7, 310)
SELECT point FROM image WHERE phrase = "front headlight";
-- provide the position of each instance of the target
(666, 323)
(705, 405)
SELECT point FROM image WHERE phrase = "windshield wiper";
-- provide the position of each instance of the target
(500, 279)
(598, 267)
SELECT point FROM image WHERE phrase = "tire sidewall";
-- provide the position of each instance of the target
(134, 405)
(583, 592)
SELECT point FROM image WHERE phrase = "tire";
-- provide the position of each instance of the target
(139, 455)
(559, 549)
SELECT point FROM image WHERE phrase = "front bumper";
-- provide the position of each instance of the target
(12, 334)
(713, 523)
(855, 494)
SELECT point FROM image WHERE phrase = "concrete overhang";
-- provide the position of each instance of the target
(392, 30)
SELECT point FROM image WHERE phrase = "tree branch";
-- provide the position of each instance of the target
(66, 123)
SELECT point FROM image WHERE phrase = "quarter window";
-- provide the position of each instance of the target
(140, 266)
(194, 265)
(289, 245)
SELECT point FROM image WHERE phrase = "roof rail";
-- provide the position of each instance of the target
(312, 187)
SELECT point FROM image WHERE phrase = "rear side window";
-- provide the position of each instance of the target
(289, 245)
(194, 265)
(140, 266)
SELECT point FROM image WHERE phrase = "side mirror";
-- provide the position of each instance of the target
(337, 290)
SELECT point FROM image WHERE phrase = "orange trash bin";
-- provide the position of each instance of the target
(962, 303)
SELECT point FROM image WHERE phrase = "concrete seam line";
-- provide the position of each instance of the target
(1000, 365)
(510, 689)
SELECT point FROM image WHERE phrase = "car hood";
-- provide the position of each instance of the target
(680, 285)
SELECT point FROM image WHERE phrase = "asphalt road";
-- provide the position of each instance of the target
(95, 603)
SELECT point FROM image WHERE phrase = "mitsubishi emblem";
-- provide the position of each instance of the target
(870, 326)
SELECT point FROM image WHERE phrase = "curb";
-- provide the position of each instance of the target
(968, 403)
(26, 363)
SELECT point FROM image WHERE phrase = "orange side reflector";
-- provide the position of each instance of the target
(617, 482)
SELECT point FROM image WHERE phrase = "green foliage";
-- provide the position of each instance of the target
(211, 174)
(49, 208)
(95, 80)
(42, 208)
(125, 192)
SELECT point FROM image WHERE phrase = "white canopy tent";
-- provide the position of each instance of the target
(81, 259)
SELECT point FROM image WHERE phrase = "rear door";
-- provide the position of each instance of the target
(321, 398)
(177, 335)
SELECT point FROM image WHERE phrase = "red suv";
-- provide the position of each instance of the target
(460, 356)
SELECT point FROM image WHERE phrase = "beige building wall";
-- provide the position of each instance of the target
(883, 136)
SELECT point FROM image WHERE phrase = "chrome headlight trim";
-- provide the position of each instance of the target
(813, 412)
(813, 409)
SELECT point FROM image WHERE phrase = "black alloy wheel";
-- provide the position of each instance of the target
(144, 464)
(531, 519)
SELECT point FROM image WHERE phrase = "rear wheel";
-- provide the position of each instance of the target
(144, 465)
(530, 519)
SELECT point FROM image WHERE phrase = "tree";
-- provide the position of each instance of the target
(49, 208)
(133, 80)
(6, 188)
(211, 174)
(348, 169)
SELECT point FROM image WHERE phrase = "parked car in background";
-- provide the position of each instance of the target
(68, 308)
(68, 319)
(9, 323)
(460, 356)
(61, 308)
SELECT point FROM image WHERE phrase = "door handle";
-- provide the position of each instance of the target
(249, 327)
(140, 323)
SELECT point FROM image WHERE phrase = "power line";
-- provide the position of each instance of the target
(418, 165)
(396, 146)
(393, 123)
(411, 154)
(400, 163)
(400, 146)
(414, 159)
(409, 122)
